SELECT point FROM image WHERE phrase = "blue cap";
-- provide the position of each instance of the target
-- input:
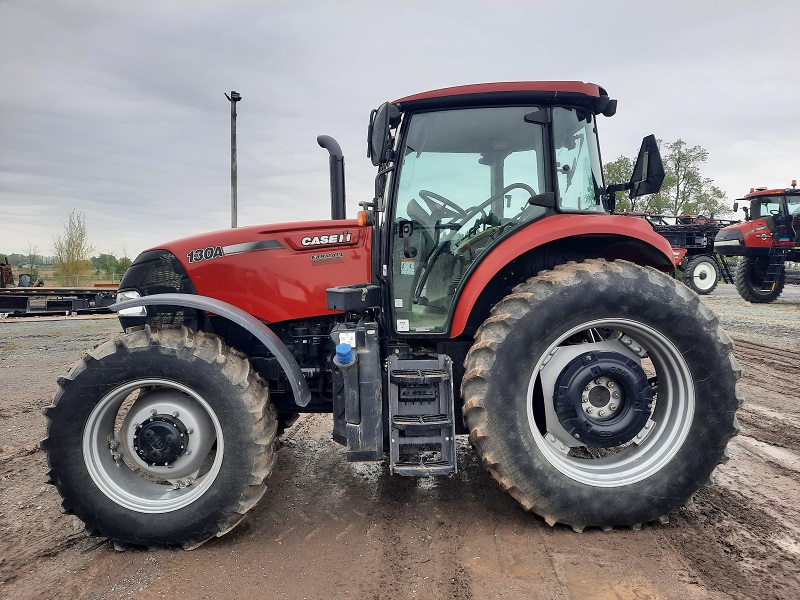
(344, 352)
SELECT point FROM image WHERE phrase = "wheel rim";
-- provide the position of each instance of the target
(659, 439)
(110, 446)
(704, 276)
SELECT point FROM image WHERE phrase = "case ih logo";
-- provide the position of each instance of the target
(319, 240)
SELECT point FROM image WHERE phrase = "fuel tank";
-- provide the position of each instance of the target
(274, 272)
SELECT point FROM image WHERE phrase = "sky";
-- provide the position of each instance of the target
(117, 109)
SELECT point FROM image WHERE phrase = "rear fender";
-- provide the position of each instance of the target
(603, 236)
(302, 395)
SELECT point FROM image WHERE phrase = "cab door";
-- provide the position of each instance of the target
(465, 178)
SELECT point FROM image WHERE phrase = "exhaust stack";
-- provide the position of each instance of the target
(338, 208)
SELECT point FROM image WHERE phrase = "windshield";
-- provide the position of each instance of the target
(771, 209)
(580, 174)
(465, 178)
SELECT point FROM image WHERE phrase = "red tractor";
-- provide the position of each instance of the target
(764, 242)
(485, 290)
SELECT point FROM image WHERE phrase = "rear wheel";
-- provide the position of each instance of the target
(601, 394)
(749, 279)
(701, 274)
(160, 438)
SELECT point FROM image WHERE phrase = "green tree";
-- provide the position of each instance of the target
(123, 265)
(684, 191)
(107, 263)
(619, 171)
(72, 250)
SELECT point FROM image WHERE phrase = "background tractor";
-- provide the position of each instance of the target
(485, 289)
(764, 242)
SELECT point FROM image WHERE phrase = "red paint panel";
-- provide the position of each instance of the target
(545, 231)
(285, 280)
(590, 89)
(756, 233)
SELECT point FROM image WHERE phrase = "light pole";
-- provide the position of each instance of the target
(234, 98)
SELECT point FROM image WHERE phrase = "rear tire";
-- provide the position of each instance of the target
(556, 327)
(161, 438)
(749, 277)
(701, 274)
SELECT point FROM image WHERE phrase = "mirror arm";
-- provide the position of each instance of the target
(380, 183)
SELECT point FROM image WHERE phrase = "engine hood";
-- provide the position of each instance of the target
(274, 272)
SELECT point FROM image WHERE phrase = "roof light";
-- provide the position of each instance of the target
(362, 218)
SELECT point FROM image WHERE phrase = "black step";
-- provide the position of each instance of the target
(424, 468)
(775, 267)
(421, 422)
(418, 376)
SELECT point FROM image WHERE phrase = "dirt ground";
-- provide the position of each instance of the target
(330, 529)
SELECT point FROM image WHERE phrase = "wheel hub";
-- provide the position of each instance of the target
(603, 399)
(160, 440)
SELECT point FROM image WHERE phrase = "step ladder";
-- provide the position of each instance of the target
(421, 423)
(777, 259)
(724, 268)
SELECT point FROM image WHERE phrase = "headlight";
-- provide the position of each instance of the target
(727, 243)
(136, 311)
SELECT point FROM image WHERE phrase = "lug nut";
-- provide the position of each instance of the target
(176, 414)
(615, 395)
(153, 411)
(602, 413)
(612, 406)
(590, 410)
(610, 384)
(598, 381)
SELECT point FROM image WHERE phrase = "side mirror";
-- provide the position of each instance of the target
(648, 173)
(735, 207)
(378, 134)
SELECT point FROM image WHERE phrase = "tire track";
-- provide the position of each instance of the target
(730, 542)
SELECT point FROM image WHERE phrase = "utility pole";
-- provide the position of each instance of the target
(233, 98)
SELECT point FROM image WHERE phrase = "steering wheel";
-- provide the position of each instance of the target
(465, 215)
(439, 204)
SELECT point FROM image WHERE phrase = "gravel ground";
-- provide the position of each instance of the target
(330, 529)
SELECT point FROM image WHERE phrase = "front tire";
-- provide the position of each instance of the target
(161, 438)
(701, 274)
(749, 278)
(612, 337)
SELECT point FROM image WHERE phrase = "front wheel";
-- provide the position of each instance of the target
(601, 394)
(701, 274)
(749, 278)
(161, 438)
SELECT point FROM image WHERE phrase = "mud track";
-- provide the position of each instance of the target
(329, 529)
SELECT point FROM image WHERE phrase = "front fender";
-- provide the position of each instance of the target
(302, 395)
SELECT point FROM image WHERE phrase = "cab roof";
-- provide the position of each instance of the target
(578, 93)
(776, 192)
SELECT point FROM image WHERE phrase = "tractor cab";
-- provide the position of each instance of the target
(781, 213)
(466, 168)
(773, 220)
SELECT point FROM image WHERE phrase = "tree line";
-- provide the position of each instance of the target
(684, 191)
